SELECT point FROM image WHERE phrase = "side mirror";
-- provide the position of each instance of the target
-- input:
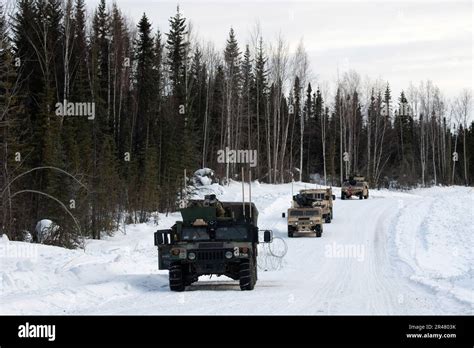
(334, 197)
(162, 237)
(158, 238)
(282, 215)
(267, 236)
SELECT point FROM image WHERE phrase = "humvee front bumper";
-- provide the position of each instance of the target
(204, 256)
(304, 227)
(212, 261)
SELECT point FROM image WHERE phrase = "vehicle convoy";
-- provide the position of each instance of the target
(214, 238)
(355, 186)
(305, 215)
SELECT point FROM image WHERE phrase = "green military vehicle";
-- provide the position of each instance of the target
(305, 216)
(355, 186)
(214, 238)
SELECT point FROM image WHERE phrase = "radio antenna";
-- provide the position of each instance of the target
(250, 193)
(243, 191)
(185, 204)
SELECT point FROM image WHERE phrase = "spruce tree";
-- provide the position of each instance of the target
(295, 125)
(14, 217)
(248, 100)
(261, 94)
(145, 89)
(177, 54)
(308, 130)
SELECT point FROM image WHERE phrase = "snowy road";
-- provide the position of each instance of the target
(395, 253)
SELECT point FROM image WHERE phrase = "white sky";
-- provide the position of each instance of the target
(397, 41)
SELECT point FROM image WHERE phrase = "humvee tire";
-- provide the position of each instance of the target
(176, 278)
(327, 220)
(366, 196)
(332, 215)
(343, 195)
(290, 233)
(188, 280)
(319, 231)
(360, 196)
(247, 275)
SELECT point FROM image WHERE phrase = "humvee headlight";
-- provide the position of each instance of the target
(175, 252)
(228, 254)
(191, 256)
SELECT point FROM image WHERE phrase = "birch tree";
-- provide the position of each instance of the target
(463, 111)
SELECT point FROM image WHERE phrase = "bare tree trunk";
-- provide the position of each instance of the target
(433, 150)
(378, 168)
(283, 148)
(68, 51)
(302, 70)
(269, 151)
(463, 107)
(422, 151)
(466, 181)
(275, 134)
(301, 145)
(454, 162)
(340, 138)
(292, 136)
(323, 141)
(369, 129)
(228, 121)
(206, 115)
(376, 140)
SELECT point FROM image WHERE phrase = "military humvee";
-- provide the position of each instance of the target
(305, 216)
(323, 198)
(355, 186)
(214, 238)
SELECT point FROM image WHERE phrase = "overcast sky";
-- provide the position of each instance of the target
(397, 41)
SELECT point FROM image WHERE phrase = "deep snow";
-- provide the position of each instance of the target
(395, 253)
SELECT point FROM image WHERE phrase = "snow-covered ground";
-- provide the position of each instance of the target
(395, 253)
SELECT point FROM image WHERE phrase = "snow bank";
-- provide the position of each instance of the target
(434, 236)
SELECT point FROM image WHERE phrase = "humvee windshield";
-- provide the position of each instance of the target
(231, 233)
(354, 183)
(304, 213)
(311, 213)
(222, 233)
(194, 233)
(318, 196)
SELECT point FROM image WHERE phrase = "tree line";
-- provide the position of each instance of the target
(166, 102)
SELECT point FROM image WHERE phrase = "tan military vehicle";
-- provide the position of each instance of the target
(355, 186)
(322, 198)
(304, 216)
